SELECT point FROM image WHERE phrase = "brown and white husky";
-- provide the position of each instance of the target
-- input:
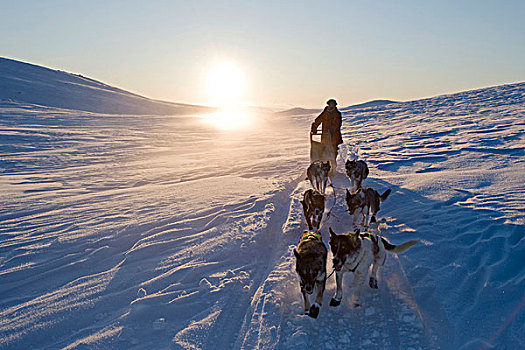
(356, 252)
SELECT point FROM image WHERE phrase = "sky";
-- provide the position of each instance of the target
(292, 53)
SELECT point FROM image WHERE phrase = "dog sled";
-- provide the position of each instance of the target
(323, 151)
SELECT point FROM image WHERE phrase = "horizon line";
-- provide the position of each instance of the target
(274, 106)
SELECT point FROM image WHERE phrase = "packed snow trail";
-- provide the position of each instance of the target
(164, 232)
(386, 319)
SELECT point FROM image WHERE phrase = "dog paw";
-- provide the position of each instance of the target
(314, 311)
(373, 283)
(335, 302)
(356, 301)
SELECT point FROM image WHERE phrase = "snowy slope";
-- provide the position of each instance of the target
(27, 83)
(163, 232)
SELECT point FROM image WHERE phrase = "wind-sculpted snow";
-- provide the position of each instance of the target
(163, 232)
(127, 231)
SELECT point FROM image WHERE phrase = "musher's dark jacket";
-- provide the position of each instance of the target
(331, 120)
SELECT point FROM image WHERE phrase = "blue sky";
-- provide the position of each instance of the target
(292, 52)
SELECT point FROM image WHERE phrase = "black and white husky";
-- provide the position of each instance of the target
(363, 203)
(313, 207)
(318, 173)
(356, 252)
(357, 171)
(310, 264)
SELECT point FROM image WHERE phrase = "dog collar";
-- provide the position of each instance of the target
(311, 235)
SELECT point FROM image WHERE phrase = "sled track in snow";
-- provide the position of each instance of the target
(272, 236)
(388, 317)
(234, 309)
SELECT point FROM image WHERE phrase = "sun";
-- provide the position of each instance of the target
(225, 84)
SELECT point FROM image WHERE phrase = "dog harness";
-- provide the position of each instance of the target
(374, 240)
(311, 235)
(368, 234)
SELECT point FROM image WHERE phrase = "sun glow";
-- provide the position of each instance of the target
(232, 119)
(226, 85)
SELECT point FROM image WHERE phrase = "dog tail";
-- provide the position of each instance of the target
(385, 195)
(398, 248)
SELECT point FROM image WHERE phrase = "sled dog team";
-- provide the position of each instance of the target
(354, 252)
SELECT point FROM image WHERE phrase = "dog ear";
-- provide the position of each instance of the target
(297, 256)
(357, 237)
(354, 235)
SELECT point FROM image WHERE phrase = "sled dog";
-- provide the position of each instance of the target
(313, 207)
(356, 252)
(363, 203)
(357, 171)
(323, 152)
(310, 264)
(318, 173)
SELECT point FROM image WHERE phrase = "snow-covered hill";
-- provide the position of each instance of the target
(27, 83)
(373, 103)
(306, 111)
(126, 232)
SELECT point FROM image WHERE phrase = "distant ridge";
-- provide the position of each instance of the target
(373, 103)
(28, 83)
(299, 111)
(302, 111)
